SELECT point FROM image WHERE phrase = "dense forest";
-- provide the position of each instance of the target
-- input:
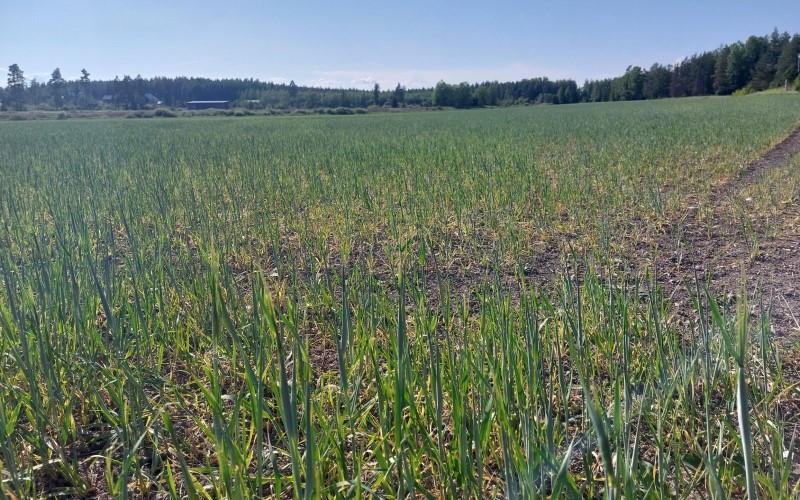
(759, 63)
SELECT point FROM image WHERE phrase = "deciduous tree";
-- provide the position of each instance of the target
(738, 70)
(443, 94)
(463, 95)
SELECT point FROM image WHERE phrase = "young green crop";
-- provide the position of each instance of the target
(348, 306)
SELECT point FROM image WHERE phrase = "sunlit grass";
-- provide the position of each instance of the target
(323, 306)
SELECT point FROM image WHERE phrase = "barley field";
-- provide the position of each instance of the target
(440, 304)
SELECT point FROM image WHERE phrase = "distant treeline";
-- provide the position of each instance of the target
(757, 64)
(760, 63)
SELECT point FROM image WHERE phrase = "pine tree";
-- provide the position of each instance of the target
(786, 67)
(56, 85)
(721, 83)
(84, 88)
(763, 73)
(16, 86)
(398, 96)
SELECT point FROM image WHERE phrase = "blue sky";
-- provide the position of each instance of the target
(359, 43)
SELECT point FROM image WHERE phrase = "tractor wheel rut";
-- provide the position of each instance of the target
(722, 248)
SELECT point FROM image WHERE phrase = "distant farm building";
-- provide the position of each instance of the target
(151, 99)
(107, 99)
(208, 104)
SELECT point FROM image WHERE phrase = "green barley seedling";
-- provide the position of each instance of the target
(735, 343)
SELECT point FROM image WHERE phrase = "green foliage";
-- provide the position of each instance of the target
(399, 96)
(376, 95)
(56, 85)
(164, 113)
(322, 307)
(786, 65)
(16, 86)
(721, 83)
(760, 62)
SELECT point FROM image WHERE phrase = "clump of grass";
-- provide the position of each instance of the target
(164, 113)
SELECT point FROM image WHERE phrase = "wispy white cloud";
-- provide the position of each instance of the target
(326, 83)
(417, 78)
(39, 76)
(366, 81)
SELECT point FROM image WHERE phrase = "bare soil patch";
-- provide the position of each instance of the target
(714, 247)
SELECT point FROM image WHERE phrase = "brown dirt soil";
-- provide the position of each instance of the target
(715, 248)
